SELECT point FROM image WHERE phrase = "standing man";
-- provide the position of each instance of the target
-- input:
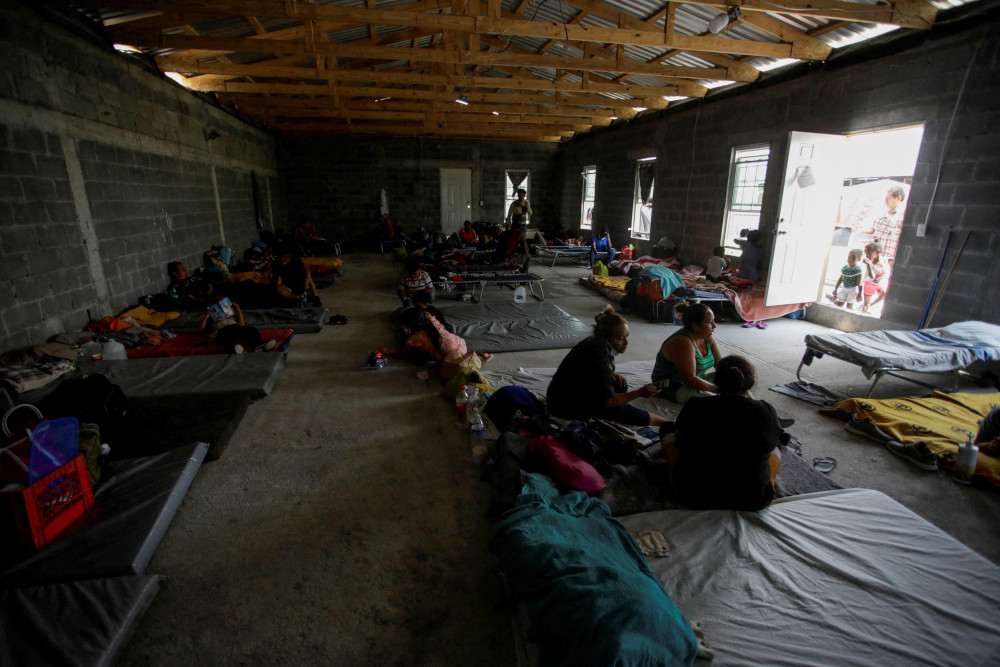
(887, 228)
(520, 209)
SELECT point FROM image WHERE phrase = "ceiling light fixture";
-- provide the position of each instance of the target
(383, 99)
(496, 113)
(463, 100)
(719, 23)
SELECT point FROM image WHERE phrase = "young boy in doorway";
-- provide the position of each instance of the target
(848, 287)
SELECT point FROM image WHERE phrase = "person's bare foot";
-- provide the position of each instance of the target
(484, 356)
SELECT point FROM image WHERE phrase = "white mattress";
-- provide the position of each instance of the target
(944, 349)
(846, 577)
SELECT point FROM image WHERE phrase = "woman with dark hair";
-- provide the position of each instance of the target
(684, 360)
(726, 450)
(586, 385)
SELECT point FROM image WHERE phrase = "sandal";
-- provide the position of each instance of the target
(749, 325)
(825, 464)
(761, 324)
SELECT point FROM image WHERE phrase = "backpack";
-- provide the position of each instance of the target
(93, 399)
(507, 402)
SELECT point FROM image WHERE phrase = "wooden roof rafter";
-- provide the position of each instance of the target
(321, 56)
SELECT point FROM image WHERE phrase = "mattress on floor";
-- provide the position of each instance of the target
(299, 320)
(133, 506)
(536, 380)
(253, 374)
(82, 623)
(846, 577)
(190, 420)
(510, 327)
(608, 287)
(954, 347)
(641, 486)
(196, 345)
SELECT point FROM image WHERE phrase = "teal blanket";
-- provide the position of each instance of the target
(591, 596)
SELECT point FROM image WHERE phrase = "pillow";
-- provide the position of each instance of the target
(565, 466)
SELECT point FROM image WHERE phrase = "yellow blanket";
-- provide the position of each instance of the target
(614, 282)
(147, 317)
(942, 421)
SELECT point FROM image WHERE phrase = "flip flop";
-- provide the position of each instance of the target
(749, 325)
(761, 324)
(825, 464)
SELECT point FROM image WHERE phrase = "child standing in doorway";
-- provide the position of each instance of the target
(848, 287)
(874, 272)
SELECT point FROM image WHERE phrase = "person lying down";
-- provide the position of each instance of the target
(427, 332)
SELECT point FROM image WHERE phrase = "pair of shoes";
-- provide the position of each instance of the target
(825, 464)
(919, 454)
(761, 324)
(267, 346)
(238, 349)
(338, 319)
(749, 325)
(867, 428)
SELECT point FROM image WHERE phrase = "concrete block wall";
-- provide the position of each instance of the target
(916, 79)
(335, 181)
(105, 176)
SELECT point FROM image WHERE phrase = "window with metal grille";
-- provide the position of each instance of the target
(746, 193)
(642, 210)
(589, 197)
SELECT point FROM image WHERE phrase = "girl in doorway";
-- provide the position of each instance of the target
(874, 273)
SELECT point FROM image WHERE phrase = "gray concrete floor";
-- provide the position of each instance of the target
(344, 525)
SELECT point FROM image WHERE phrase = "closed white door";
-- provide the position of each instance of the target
(456, 199)
(814, 177)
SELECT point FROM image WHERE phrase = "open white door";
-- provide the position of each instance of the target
(814, 177)
(456, 199)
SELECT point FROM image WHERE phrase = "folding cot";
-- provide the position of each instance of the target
(577, 253)
(481, 280)
(950, 349)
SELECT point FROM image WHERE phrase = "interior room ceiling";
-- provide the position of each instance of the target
(516, 70)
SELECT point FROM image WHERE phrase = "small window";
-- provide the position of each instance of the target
(516, 179)
(589, 196)
(746, 193)
(642, 209)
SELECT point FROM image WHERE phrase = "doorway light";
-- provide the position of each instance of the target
(719, 23)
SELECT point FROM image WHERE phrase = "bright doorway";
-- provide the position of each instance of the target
(878, 171)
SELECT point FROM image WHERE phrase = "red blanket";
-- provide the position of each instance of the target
(191, 345)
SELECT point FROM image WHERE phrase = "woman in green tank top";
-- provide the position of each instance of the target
(684, 361)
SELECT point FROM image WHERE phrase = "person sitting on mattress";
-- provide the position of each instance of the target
(725, 453)
(292, 279)
(684, 362)
(586, 385)
(191, 292)
(414, 280)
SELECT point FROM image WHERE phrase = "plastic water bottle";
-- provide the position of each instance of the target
(965, 463)
(462, 401)
(520, 294)
(91, 351)
(114, 350)
(476, 425)
(473, 397)
(305, 298)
